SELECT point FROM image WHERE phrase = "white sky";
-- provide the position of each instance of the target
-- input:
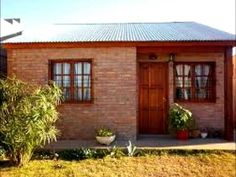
(34, 13)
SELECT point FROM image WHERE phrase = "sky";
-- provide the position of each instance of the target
(38, 15)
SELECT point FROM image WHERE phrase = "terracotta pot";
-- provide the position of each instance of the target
(195, 133)
(182, 134)
(105, 140)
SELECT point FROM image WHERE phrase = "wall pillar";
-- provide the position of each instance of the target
(228, 87)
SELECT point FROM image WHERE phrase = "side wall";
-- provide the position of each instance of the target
(234, 90)
(114, 79)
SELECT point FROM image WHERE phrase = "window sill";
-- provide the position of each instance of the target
(195, 101)
(77, 103)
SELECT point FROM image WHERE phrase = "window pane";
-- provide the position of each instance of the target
(187, 82)
(58, 80)
(187, 70)
(198, 70)
(86, 68)
(179, 70)
(186, 93)
(87, 94)
(78, 68)
(66, 68)
(86, 81)
(179, 82)
(66, 81)
(179, 93)
(204, 81)
(201, 93)
(201, 82)
(66, 93)
(78, 81)
(57, 68)
(78, 94)
(206, 70)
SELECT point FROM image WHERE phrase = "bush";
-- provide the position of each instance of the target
(2, 153)
(27, 117)
(81, 154)
(179, 118)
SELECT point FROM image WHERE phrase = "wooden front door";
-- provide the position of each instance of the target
(153, 98)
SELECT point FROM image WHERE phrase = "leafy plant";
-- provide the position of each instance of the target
(179, 118)
(105, 132)
(131, 149)
(115, 152)
(2, 153)
(27, 117)
(82, 153)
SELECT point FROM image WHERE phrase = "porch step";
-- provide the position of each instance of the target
(148, 136)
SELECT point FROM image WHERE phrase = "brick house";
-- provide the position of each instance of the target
(125, 76)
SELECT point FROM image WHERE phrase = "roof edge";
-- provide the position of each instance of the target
(23, 45)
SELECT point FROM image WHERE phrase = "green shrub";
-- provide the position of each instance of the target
(115, 152)
(27, 117)
(2, 153)
(105, 132)
(83, 153)
(179, 118)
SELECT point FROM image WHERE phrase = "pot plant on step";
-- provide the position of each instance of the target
(180, 120)
(105, 136)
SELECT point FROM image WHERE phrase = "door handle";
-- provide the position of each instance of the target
(164, 99)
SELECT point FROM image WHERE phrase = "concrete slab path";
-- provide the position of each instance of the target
(166, 142)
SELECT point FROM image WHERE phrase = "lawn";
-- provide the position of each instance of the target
(210, 164)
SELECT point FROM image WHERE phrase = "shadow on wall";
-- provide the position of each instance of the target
(3, 62)
(234, 90)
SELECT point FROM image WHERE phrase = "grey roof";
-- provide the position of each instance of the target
(129, 32)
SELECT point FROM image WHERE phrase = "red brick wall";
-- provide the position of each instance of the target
(115, 88)
(114, 71)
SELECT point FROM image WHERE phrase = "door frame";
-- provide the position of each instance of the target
(167, 93)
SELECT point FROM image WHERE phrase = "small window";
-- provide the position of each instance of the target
(74, 77)
(194, 82)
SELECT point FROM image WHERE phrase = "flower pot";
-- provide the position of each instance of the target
(195, 133)
(182, 134)
(105, 140)
(204, 135)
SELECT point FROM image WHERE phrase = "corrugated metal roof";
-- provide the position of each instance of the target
(128, 32)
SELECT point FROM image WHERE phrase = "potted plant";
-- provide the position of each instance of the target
(180, 120)
(204, 133)
(105, 136)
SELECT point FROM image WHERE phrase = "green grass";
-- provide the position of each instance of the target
(200, 164)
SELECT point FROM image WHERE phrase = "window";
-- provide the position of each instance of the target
(74, 78)
(194, 81)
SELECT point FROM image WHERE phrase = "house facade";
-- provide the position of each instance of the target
(126, 76)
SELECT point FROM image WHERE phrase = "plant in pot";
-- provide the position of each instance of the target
(105, 136)
(180, 120)
(204, 133)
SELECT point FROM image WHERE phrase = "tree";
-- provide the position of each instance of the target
(27, 117)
